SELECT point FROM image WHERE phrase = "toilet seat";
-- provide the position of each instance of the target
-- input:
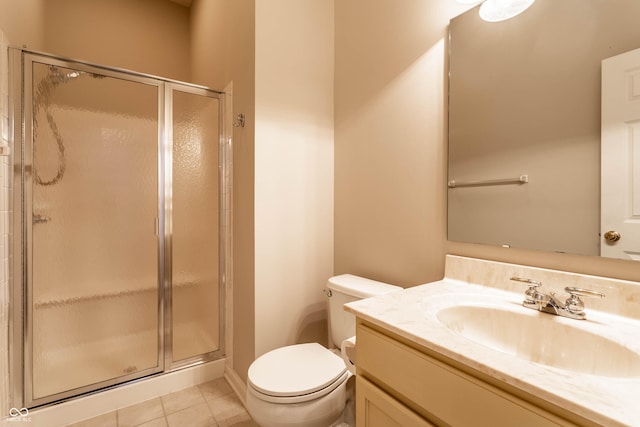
(296, 373)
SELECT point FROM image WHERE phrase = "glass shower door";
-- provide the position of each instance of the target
(93, 266)
(195, 307)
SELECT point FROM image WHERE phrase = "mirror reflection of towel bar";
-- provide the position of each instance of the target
(40, 219)
(522, 179)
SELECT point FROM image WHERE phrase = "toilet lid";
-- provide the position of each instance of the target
(295, 370)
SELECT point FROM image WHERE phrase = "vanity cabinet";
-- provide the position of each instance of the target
(399, 384)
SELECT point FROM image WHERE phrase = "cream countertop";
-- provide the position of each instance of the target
(412, 314)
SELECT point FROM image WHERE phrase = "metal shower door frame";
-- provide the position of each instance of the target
(223, 230)
(20, 264)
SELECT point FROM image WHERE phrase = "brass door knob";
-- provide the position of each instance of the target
(612, 236)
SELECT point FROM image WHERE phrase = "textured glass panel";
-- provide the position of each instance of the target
(195, 225)
(94, 250)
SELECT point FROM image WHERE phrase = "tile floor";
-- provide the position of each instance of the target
(212, 404)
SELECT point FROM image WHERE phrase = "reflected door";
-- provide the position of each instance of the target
(195, 290)
(93, 285)
(620, 199)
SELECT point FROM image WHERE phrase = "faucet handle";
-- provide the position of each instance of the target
(583, 292)
(574, 304)
(533, 296)
(532, 283)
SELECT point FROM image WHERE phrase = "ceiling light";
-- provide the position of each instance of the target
(500, 10)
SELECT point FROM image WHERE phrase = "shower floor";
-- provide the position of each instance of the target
(68, 368)
(77, 366)
(190, 340)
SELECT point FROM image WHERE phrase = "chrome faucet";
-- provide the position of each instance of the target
(573, 307)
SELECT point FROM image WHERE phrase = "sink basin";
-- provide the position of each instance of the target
(541, 338)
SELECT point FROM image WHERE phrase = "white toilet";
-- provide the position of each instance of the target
(305, 384)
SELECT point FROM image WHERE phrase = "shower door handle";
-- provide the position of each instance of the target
(40, 219)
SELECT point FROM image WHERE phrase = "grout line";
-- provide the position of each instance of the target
(164, 411)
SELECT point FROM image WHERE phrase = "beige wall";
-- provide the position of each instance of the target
(222, 51)
(148, 36)
(390, 120)
(293, 171)
(23, 22)
(391, 149)
(209, 45)
(292, 200)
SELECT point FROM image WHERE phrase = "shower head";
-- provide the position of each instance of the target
(57, 76)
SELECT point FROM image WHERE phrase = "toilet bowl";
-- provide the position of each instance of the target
(305, 385)
(298, 385)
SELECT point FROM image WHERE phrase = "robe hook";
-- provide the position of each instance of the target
(239, 123)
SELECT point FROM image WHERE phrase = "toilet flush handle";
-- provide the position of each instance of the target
(327, 292)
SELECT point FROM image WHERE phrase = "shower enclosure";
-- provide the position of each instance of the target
(118, 241)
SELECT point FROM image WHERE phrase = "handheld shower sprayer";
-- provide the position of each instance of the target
(41, 100)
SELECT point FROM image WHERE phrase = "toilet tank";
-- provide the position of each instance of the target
(347, 288)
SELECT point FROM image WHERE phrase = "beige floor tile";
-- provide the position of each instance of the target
(214, 389)
(241, 420)
(212, 404)
(140, 413)
(160, 422)
(182, 399)
(228, 408)
(194, 416)
(105, 420)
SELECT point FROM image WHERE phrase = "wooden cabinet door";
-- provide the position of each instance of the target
(375, 408)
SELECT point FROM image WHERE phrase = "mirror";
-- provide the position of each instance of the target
(524, 99)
